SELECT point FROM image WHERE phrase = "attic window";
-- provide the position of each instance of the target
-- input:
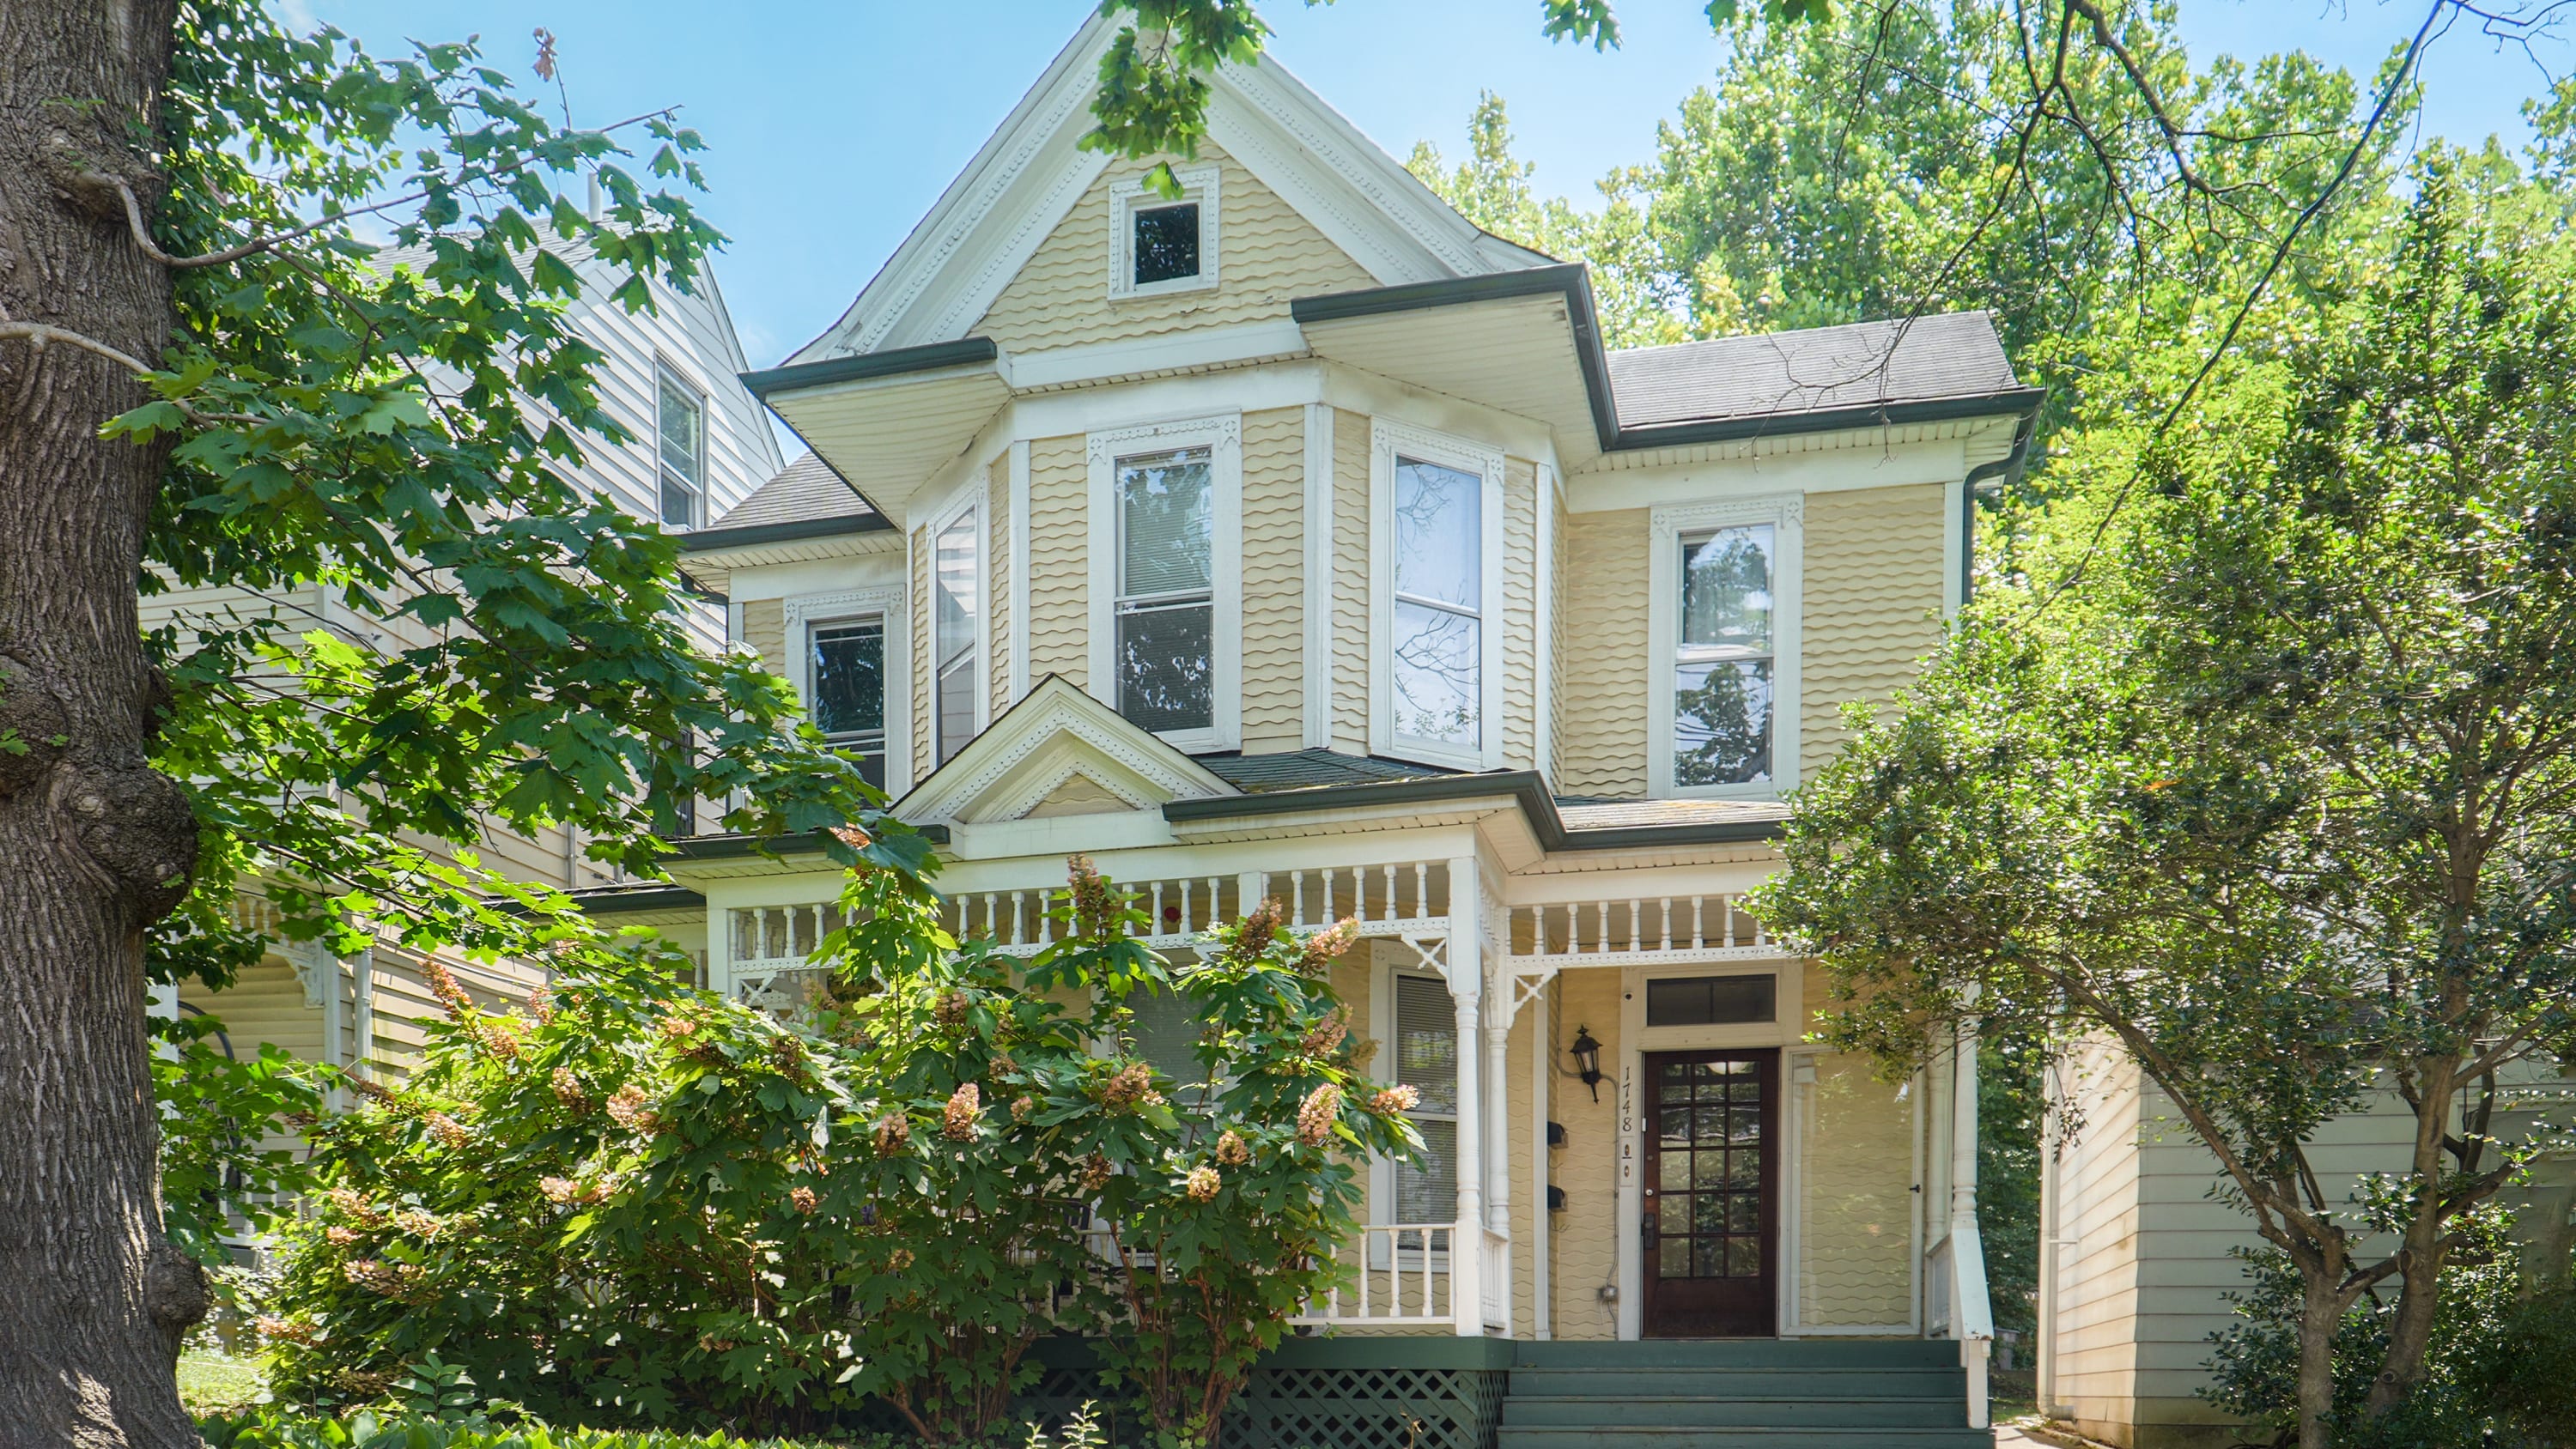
(1161, 243)
(1167, 243)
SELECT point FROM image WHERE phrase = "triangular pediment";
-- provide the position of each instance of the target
(1057, 752)
(982, 235)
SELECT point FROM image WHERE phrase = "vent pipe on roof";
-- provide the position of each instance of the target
(597, 204)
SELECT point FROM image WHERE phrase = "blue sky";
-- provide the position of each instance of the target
(835, 125)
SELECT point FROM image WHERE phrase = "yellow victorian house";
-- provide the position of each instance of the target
(1292, 538)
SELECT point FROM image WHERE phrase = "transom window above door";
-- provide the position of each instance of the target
(1166, 607)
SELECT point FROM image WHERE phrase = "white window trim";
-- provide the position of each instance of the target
(1386, 440)
(1381, 1184)
(808, 612)
(1126, 198)
(1786, 513)
(701, 503)
(981, 656)
(1222, 436)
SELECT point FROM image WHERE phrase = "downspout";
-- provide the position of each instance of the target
(1990, 478)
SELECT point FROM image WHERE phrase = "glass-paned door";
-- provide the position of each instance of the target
(1711, 1200)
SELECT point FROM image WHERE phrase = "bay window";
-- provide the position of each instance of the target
(846, 663)
(1435, 575)
(1166, 604)
(956, 569)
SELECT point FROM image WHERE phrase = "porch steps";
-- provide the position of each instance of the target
(1738, 1394)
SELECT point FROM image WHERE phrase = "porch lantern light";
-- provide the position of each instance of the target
(1587, 1059)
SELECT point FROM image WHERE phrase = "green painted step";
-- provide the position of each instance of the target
(1525, 1411)
(1743, 1353)
(1739, 1383)
(1509, 1437)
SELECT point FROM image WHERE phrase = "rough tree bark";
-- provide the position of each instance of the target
(94, 845)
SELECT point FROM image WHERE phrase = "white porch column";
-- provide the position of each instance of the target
(1542, 1318)
(1466, 971)
(1971, 1311)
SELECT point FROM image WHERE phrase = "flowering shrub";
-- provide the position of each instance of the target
(639, 1203)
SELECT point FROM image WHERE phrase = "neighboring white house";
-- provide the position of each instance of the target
(700, 445)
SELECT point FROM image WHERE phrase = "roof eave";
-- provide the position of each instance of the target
(2005, 402)
(755, 535)
(893, 362)
(1572, 280)
(1527, 789)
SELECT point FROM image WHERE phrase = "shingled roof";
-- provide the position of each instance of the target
(804, 490)
(1945, 356)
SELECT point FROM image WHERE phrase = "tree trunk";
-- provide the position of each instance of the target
(94, 845)
(2320, 1314)
(2419, 1299)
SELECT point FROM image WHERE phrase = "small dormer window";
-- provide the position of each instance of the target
(1161, 243)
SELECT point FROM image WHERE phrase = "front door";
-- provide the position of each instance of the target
(1712, 1194)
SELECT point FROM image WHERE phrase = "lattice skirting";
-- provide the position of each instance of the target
(1348, 1393)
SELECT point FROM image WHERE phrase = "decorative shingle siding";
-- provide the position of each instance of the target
(1584, 1239)
(1602, 679)
(1350, 583)
(764, 628)
(1554, 704)
(1059, 546)
(1871, 607)
(1855, 1202)
(997, 586)
(1274, 580)
(1267, 256)
(1520, 613)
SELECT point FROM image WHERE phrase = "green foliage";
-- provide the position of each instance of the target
(274, 1429)
(227, 1118)
(2274, 802)
(893, 1198)
(2497, 1373)
(2012, 1107)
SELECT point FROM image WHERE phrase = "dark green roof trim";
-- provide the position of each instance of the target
(619, 901)
(1526, 788)
(2018, 401)
(753, 535)
(965, 352)
(1572, 280)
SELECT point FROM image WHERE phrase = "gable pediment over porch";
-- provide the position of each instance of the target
(1058, 752)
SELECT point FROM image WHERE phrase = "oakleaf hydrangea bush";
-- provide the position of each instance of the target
(639, 1203)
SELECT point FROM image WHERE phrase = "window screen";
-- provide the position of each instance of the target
(1438, 634)
(1426, 1059)
(1165, 243)
(1166, 604)
(1710, 1000)
(1722, 680)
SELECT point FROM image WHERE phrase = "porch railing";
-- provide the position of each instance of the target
(1382, 899)
(1639, 930)
(1497, 1281)
(1403, 1278)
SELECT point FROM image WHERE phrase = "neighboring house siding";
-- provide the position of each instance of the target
(1602, 683)
(1274, 580)
(1584, 1238)
(997, 586)
(1519, 619)
(1059, 549)
(1871, 605)
(2097, 1304)
(1855, 1203)
(1350, 583)
(1267, 256)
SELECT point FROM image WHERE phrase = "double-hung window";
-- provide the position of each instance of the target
(681, 448)
(1165, 569)
(1437, 547)
(956, 569)
(1426, 1059)
(1166, 606)
(847, 664)
(1725, 631)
